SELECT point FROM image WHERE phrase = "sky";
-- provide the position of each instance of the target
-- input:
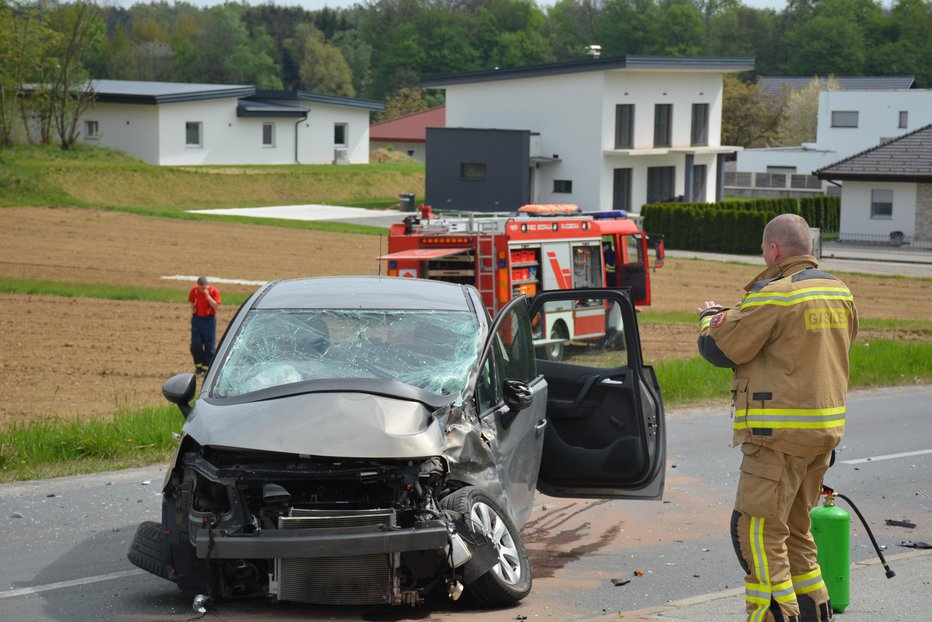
(778, 5)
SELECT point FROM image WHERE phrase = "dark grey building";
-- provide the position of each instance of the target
(478, 170)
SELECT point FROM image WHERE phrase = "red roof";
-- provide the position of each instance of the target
(411, 128)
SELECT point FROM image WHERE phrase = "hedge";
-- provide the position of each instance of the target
(733, 226)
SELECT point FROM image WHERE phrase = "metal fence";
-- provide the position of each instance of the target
(773, 181)
(895, 241)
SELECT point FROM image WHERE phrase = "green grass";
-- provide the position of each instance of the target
(60, 447)
(10, 285)
(880, 362)
(96, 177)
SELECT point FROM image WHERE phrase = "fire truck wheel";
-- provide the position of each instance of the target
(555, 350)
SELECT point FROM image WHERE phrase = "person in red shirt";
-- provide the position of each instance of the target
(204, 299)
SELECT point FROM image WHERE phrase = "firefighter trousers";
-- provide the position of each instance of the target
(770, 532)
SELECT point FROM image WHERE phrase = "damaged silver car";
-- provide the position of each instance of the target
(367, 440)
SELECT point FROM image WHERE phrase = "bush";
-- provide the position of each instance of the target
(733, 226)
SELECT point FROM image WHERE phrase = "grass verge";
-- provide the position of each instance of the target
(57, 447)
(135, 437)
(11, 285)
(880, 362)
(92, 176)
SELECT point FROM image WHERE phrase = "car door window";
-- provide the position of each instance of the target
(605, 434)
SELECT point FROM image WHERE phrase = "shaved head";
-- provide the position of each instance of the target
(786, 236)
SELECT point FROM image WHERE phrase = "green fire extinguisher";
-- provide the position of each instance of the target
(831, 530)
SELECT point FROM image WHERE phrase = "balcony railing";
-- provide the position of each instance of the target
(773, 181)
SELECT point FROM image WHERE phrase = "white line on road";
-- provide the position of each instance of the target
(905, 454)
(36, 589)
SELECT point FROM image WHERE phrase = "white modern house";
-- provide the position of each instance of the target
(171, 123)
(887, 192)
(848, 122)
(603, 133)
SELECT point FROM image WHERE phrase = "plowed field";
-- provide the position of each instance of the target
(83, 357)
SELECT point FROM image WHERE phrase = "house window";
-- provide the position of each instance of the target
(882, 204)
(700, 128)
(699, 183)
(844, 118)
(624, 126)
(268, 134)
(663, 116)
(660, 183)
(904, 119)
(192, 133)
(785, 170)
(474, 171)
(339, 134)
(563, 185)
(621, 189)
(91, 129)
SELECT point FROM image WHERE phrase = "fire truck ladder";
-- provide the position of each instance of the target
(485, 261)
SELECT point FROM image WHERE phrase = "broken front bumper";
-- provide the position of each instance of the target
(322, 542)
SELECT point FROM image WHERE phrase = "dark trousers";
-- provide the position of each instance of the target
(203, 338)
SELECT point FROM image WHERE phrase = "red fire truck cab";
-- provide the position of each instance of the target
(542, 247)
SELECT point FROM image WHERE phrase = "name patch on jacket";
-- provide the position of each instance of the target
(818, 319)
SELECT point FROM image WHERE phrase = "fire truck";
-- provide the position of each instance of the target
(541, 247)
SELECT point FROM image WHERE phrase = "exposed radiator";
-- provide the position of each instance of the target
(352, 580)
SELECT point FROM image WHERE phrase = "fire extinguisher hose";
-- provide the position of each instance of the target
(870, 534)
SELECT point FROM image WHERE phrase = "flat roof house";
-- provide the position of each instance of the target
(887, 191)
(603, 133)
(173, 123)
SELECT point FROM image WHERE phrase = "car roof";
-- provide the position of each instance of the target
(364, 292)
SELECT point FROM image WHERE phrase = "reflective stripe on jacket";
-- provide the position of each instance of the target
(788, 343)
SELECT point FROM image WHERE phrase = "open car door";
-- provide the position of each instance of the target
(606, 435)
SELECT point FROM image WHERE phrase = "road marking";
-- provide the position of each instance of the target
(38, 589)
(905, 454)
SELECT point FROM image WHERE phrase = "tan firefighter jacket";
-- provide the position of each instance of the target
(788, 343)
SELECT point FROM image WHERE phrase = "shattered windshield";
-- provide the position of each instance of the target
(432, 350)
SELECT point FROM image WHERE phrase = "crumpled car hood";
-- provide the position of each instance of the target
(343, 425)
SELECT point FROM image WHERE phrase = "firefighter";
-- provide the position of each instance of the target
(787, 341)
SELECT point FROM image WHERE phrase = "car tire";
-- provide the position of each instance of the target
(510, 580)
(555, 351)
(147, 550)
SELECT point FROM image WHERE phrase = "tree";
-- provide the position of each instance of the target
(680, 31)
(572, 25)
(69, 86)
(627, 27)
(405, 100)
(833, 45)
(321, 66)
(800, 117)
(24, 43)
(750, 115)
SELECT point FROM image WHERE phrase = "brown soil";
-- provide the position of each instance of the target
(83, 357)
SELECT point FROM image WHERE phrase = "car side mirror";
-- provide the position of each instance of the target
(179, 390)
(518, 395)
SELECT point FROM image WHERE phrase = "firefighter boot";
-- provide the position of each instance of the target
(810, 611)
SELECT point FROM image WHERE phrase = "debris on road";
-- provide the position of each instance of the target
(620, 582)
(915, 545)
(900, 523)
(16, 515)
(639, 573)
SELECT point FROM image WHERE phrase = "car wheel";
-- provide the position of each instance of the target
(147, 551)
(510, 579)
(555, 350)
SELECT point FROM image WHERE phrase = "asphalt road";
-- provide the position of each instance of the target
(63, 541)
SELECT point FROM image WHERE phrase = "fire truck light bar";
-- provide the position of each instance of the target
(445, 241)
